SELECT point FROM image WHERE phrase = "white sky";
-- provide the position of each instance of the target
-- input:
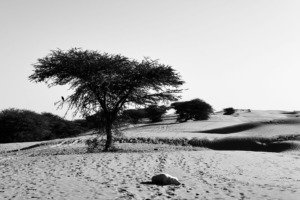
(239, 53)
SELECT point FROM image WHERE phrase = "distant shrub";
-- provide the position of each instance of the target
(134, 115)
(60, 127)
(228, 111)
(81, 123)
(95, 121)
(155, 112)
(24, 125)
(195, 109)
(290, 113)
(21, 126)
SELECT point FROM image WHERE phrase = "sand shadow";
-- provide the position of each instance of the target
(248, 126)
(282, 146)
(231, 129)
(252, 145)
(151, 183)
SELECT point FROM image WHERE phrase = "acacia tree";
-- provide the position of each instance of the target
(106, 82)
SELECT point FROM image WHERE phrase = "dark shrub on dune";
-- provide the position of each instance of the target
(60, 127)
(228, 111)
(195, 109)
(155, 112)
(134, 115)
(95, 121)
(24, 125)
(81, 123)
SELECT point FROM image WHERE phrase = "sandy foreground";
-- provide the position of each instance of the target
(204, 174)
(67, 171)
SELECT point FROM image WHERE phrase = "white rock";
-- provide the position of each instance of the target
(165, 179)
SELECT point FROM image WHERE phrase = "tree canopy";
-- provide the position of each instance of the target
(107, 82)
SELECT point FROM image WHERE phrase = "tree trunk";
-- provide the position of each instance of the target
(108, 131)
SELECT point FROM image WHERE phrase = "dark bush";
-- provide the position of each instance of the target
(195, 109)
(81, 123)
(228, 111)
(93, 145)
(24, 125)
(155, 112)
(60, 127)
(134, 115)
(96, 121)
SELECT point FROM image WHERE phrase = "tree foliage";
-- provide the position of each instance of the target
(107, 82)
(195, 109)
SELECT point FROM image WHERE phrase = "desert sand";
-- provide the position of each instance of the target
(63, 169)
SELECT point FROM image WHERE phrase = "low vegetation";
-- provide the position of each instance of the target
(134, 115)
(195, 109)
(228, 111)
(274, 144)
(25, 125)
(155, 112)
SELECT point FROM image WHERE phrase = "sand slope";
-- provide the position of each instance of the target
(255, 123)
(62, 169)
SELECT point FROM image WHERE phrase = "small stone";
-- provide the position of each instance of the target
(165, 179)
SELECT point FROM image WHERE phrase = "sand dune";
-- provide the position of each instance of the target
(255, 123)
(63, 169)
